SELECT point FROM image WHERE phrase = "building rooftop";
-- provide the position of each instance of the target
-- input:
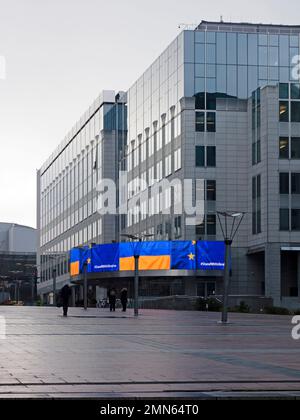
(248, 27)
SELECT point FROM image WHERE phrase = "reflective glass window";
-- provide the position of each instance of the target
(295, 147)
(211, 53)
(263, 56)
(284, 111)
(296, 183)
(274, 40)
(211, 190)
(284, 183)
(231, 49)
(211, 224)
(284, 219)
(221, 48)
(252, 50)
(295, 111)
(296, 219)
(295, 91)
(211, 122)
(211, 156)
(242, 49)
(210, 37)
(200, 53)
(284, 50)
(231, 80)
(273, 56)
(284, 148)
(221, 78)
(200, 36)
(284, 91)
(200, 156)
(294, 41)
(200, 121)
(263, 39)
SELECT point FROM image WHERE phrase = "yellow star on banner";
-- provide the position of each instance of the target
(194, 242)
(88, 261)
(191, 257)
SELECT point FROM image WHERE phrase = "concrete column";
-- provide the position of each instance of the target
(273, 272)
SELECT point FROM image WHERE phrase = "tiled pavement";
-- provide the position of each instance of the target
(160, 354)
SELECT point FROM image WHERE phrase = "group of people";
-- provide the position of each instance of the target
(112, 297)
(65, 294)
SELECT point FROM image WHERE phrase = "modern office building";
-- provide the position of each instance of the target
(67, 187)
(220, 105)
(18, 245)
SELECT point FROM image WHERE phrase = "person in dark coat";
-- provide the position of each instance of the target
(65, 294)
(112, 296)
(124, 299)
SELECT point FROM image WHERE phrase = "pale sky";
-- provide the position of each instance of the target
(61, 53)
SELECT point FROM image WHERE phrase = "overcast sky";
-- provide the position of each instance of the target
(61, 53)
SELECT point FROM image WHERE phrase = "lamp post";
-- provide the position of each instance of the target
(136, 269)
(85, 286)
(230, 223)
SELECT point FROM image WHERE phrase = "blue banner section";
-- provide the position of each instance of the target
(105, 258)
(183, 255)
(168, 255)
(210, 255)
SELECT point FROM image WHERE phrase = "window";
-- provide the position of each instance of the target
(177, 227)
(211, 224)
(256, 205)
(177, 160)
(296, 219)
(211, 190)
(211, 156)
(295, 91)
(200, 121)
(295, 147)
(284, 220)
(200, 229)
(283, 111)
(295, 111)
(159, 172)
(284, 148)
(284, 187)
(295, 183)
(200, 156)
(168, 165)
(211, 122)
(205, 156)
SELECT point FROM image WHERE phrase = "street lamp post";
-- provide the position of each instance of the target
(54, 273)
(136, 269)
(230, 226)
(85, 286)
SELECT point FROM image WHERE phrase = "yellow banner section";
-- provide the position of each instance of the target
(75, 268)
(146, 263)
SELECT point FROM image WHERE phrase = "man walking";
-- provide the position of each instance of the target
(65, 294)
(112, 300)
(124, 299)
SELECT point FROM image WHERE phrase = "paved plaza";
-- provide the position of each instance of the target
(161, 354)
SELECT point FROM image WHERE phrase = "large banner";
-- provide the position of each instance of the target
(171, 255)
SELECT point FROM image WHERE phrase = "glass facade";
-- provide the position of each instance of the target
(68, 197)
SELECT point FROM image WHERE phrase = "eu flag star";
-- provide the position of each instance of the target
(191, 257)
(194, 243)
(88, 261)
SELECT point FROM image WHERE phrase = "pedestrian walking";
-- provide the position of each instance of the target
(112, 299)
(124, 298)
(65, 294)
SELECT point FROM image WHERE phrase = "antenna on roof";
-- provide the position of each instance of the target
(221, 19)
